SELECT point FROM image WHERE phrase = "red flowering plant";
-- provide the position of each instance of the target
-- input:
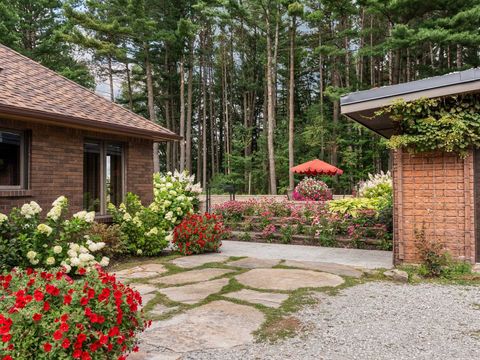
(47, 315)
(198, 234)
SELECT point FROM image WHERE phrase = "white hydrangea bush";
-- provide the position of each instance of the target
(149, 229)
(376, 185)
(54, 240)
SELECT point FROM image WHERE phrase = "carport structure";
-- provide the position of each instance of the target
(437, 191)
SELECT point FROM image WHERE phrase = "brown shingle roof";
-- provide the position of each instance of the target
(29, 89)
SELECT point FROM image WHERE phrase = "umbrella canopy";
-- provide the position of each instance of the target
(316, 167)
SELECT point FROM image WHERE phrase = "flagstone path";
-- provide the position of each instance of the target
(218, 302)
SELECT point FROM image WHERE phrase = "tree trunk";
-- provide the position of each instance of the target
(204, 113)
(129, 87)
(151, 105)
(291, 110)
(459, 56)
(271, 110)
(182, 115)
(188, 130)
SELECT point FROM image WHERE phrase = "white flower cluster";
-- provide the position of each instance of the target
(375, 180)
(57, 207)
(88, 217)
(3, 218)
(81, 256)
(44, 229)
(31, 209)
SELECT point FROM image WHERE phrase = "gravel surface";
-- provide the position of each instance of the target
(379, 321)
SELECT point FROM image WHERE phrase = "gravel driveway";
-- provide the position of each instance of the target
(379, 321)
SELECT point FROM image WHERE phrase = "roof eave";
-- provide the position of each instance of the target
(77, 122)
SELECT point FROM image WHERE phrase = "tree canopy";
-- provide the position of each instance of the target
(253, 86)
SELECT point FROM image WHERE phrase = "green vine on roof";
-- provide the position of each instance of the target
(450, 124)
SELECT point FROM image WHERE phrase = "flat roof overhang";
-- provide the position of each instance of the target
(361, 106)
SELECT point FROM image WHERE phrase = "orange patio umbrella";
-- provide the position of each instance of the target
(316, 167)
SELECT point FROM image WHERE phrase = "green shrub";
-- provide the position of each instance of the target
(432, 254)
(141, 226)
(27, 240)
(352, 206)
(149, 229)
(115, 240)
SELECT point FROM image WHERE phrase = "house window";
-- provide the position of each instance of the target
(103, 175)
(13, 160)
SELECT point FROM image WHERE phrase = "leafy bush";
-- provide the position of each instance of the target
(149, 229)
(352, 206)
(198, 234)
(432, 254)
(57, 241)
(113, 237)
(447, 124)
(310, 189)
(50, 316)
(146, 233)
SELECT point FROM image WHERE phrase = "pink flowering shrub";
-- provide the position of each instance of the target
(310, 189)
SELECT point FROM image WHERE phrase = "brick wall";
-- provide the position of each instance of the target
(434, 190)
(56, 166)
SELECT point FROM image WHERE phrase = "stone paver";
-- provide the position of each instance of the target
(219, 324)
(254, 263)
(273, 300)
(142, 271)
(146, 298)
(368, 259)
(143, 289)
(189, 262)
(191, 294)
(287, 279)
(160, 309)
(191, 276)
(337, 269)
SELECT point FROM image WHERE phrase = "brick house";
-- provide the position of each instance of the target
(439, 190)
(58, 138)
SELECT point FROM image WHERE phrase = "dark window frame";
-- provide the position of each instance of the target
(24, 160)
(103, 170)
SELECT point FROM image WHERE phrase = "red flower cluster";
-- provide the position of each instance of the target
(93, 317)
(197, 234)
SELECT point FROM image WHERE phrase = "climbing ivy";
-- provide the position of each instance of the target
(450, 124)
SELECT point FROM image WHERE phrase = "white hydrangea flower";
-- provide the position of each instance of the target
(26, 211)
(90, 217)
(31, 255)
(127, 217)
(139, 252)
(169, 237)
(57, 249)
(169, 215)
(60, 201)
(137, 221)
(35, 207)
(85, 257)
(50, 260)
(75, 261)
(80, 215)
(105, 261)
(83, 250)
(34, 261)
(55, 213)
(74, 247)
(3, 218)
(72, 253)
(153, 231)
(44, 229)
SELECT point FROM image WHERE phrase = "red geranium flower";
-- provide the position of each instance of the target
(37, 317)
(47, 347)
